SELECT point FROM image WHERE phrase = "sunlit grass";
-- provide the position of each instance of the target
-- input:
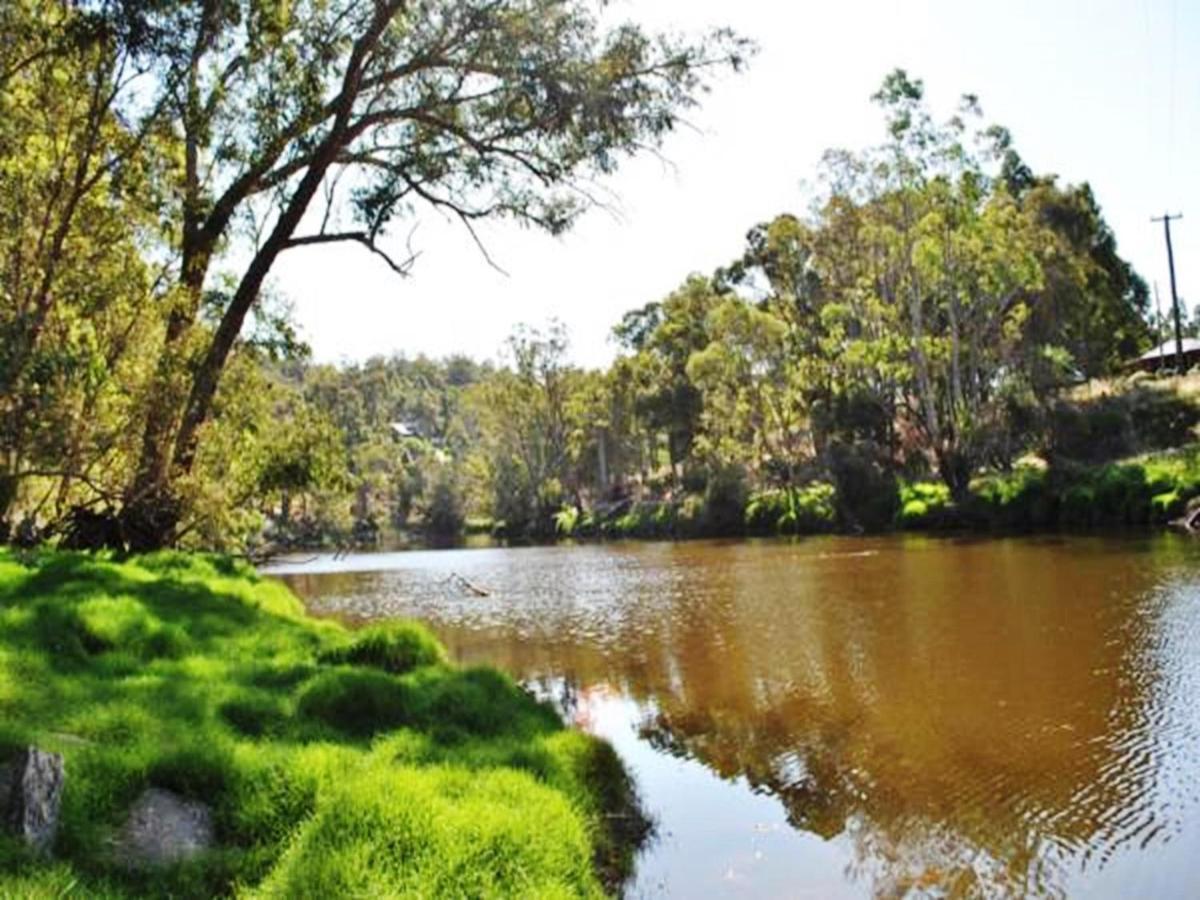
(319, 750)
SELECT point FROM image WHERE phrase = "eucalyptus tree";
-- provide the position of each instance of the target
(289, 114)
(754, 405)
(76, 289)
(526, 419)
(663, 336)
(955, 264)
(1094, 306)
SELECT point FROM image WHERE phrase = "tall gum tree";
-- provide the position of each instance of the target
(479, 108)
(76, 213)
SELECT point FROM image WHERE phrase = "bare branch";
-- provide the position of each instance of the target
(402, 268)
(479, 243)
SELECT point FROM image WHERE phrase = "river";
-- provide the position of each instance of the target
(849, 717)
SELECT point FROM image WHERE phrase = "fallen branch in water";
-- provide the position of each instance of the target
(269, 555)
(1190, 522)
(455, 578)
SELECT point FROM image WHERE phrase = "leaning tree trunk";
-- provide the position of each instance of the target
(153, 510)
(955, 468)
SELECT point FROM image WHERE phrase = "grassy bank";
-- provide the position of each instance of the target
(337, 764)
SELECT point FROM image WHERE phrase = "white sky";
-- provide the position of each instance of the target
(1106, 91)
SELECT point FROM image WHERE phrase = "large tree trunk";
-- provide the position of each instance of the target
(152, 510)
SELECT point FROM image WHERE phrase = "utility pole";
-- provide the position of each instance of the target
(1158, 329)
(1166, 219)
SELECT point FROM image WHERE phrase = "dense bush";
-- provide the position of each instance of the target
(567, 520)
(1016, 500)
(798, 510)
(867, 490)
(1141, 419)
(1150, 489)
(925, 504)
(1161, 418)
(444, 517)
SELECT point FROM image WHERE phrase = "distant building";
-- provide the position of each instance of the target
(1163, 356)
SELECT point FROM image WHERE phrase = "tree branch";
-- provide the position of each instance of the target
(402, 267)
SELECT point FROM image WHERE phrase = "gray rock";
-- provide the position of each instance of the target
(7, 775)
(164, 828)
(31, 786)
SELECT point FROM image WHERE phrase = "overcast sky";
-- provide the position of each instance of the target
(1106, 91)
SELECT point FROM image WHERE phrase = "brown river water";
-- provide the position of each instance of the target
(849, 717)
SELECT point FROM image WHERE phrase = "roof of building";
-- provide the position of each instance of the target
(1167, 349)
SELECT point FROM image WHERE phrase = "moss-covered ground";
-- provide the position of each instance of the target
(337, 763)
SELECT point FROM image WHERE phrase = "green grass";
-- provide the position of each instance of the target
(336, 763)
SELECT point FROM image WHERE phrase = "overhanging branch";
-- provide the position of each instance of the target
(400, 267)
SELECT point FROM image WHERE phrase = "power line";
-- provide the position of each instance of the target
(1166, 219)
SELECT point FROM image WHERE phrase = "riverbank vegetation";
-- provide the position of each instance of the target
(317, 748)
(905, 352)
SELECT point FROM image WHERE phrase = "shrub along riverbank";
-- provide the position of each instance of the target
(1151, 489)
(335, 763)
(1154, 489)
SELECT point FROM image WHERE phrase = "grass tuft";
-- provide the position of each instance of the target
(395, 647)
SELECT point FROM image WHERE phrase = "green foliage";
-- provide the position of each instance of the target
(1018, 500)
(1137, 491)
(1114, 494)
(444, 518)
(265, 715)
(665, 336)
(1096, 308)
(802, 510)
(1122, 423)
(567, 520)
(80, 315)
(924, 504)
(1152, 488)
